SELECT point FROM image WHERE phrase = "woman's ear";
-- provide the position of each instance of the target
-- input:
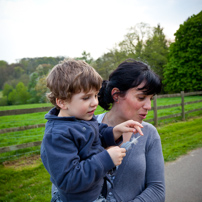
(115, 94)
(61, 103)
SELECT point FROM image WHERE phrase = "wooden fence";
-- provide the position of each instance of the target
(155, 108)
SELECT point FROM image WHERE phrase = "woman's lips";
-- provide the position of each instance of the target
(143, 116)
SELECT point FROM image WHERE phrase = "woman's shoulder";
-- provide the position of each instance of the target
(100, 117)
(149, 129)
(148, 125)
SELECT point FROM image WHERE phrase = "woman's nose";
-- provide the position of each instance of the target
(147, 104)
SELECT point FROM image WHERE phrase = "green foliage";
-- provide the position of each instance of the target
(155, 51)
(3, 72)
(20, 95)
(41, 89)
(133, 43)
(7, 89)
(30, 64)
(86, 57)
(105, 64)
(141, 43)
(183, 71)
(148, 45)
(3, 101)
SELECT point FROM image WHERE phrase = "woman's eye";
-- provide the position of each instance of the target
(141, 98)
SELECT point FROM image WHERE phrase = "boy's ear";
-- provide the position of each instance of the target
(61, 103)
(115, 94)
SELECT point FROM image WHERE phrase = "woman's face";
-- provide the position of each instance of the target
(135, 104)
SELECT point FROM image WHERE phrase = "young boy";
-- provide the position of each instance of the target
(71, 149)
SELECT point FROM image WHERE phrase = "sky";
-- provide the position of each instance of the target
(51, 28)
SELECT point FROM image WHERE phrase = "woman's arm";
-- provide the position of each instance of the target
(155, 182)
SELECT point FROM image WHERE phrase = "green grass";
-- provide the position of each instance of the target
(28, 119)
(179, 138)
(24, 183)
(37, 118)
(15, 138)
(175, 110)
(20, 137)
(27, 180)
(25, 106)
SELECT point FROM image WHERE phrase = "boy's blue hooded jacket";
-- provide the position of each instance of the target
(71, 152)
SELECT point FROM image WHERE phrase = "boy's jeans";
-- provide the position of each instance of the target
(56, 196)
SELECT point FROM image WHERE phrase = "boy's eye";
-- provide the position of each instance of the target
(86, 98)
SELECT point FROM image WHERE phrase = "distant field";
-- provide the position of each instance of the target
(37, 118)
(25, 106)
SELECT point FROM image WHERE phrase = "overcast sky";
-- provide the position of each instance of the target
(38, 28)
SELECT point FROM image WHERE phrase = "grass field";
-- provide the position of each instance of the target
(31, 135)
(27, 180)
(36, 118)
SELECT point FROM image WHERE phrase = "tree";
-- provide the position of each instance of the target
(155, 51)
(183, 71)
(133, 43)
(105, 64)
(20, 95)
(3, 72)
(86, 57)
(41, 89)
(7, 89)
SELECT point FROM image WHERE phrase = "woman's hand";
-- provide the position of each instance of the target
(127, 127)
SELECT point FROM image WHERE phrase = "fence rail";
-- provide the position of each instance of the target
(182, 104)
(155, 108)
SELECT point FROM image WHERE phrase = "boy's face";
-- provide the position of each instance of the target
(82, 105)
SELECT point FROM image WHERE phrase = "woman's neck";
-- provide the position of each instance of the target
(112, 118)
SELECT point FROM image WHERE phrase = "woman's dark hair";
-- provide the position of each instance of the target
(129, 74)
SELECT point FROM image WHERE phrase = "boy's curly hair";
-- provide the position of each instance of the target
(71, 77)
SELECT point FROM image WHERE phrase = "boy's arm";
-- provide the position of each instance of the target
(113, 135)
(107, 136)
(127, 127)
(61, 158)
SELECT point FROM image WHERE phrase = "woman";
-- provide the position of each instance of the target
(128, 95)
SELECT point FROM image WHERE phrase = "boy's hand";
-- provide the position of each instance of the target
(116, 154)
(126, 127)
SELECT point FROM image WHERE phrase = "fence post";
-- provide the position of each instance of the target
(155, 111)
(182, 103)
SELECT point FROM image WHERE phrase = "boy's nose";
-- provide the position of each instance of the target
(94, 101)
